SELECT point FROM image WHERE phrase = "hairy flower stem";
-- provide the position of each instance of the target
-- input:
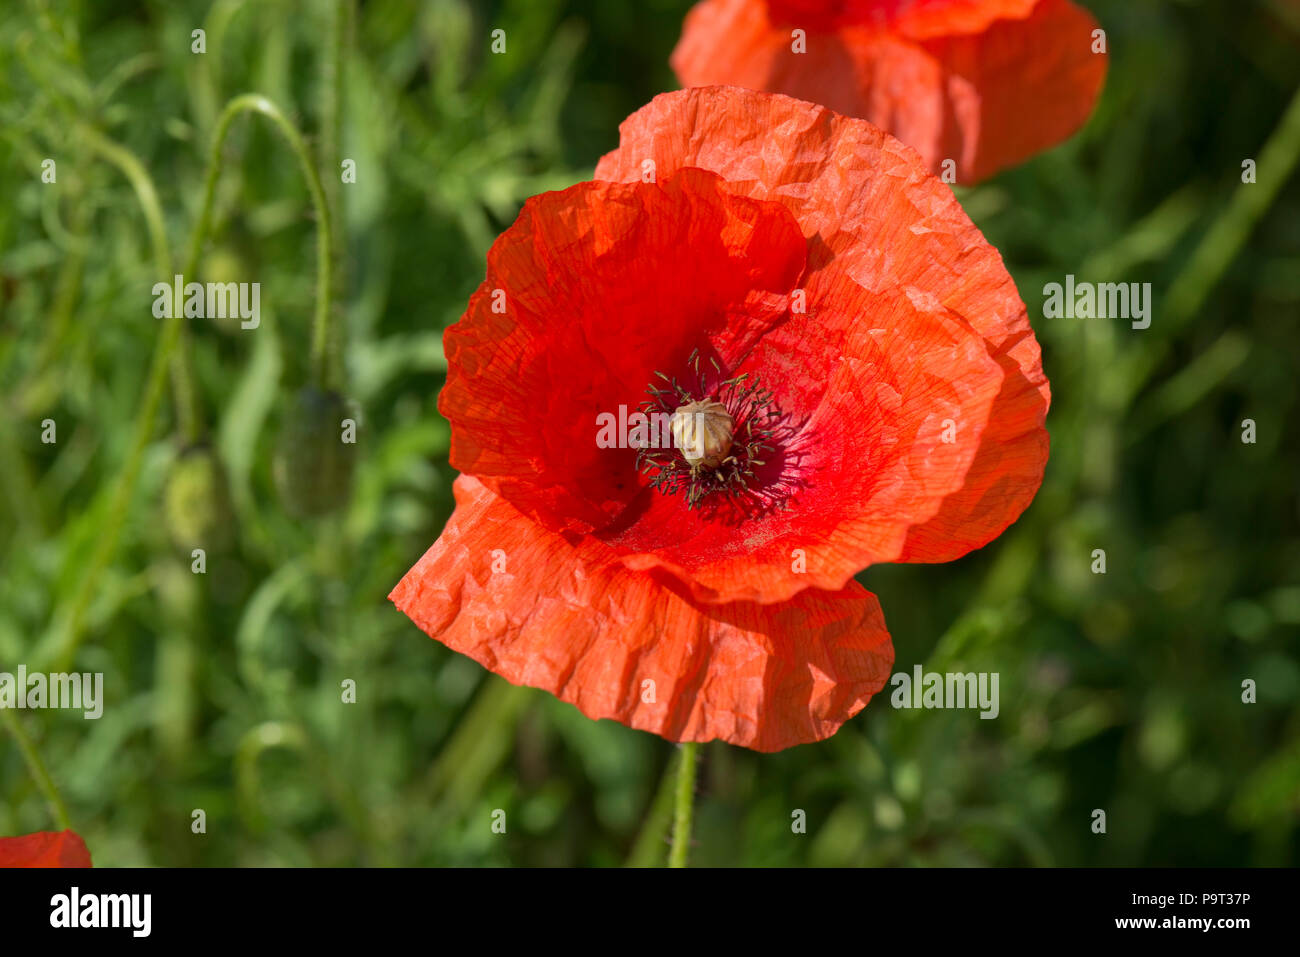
(188, 415)
(685, 805)
(64, 639)
(321, 339)
(37, 767)
(331, 99)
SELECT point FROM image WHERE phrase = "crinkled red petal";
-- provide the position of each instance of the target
(551, 611)
(876, 221)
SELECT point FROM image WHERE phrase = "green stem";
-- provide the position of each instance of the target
(685, 805)
(482, 740)
(208, 89)
(63, 642)
(37, 767)
(1225, 239)
(322, 360)
(649, 847)
(331, 94)
(187, 406)
(123, 73)
(1222, 243)
(67, 291)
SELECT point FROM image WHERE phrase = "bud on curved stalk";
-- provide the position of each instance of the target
(197, 501)
(222, 265)
(315, 453)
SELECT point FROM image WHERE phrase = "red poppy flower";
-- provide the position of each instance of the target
(44, 849)
(871, 392)
(984, 83)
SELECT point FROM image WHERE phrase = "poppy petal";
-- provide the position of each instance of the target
(591, 293)
(551, 611)
(44, 849)
(883, 390)
(872, 216)
(882, 436)
(984, 84)
(1016, 89)
(914, 18)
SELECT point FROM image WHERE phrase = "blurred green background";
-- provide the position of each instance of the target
(1119, 691)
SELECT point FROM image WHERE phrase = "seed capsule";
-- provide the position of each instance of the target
(702, 433)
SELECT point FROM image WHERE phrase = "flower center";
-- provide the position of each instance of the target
(702, 432)
(722, 432)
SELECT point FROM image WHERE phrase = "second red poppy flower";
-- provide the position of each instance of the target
(978, 84)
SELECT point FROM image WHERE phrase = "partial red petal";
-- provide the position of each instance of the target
(1017, 88)
(44, 849)
(735, 43)
(874, 218)
(911, 17)
(923, 19)
(633, 646)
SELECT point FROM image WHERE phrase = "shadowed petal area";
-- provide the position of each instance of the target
(549, 612)
(591, 292)
(44, 849)
(984, 84)
(874, 217)
(1017, 88)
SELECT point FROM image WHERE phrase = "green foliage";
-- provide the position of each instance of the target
(1119, 691)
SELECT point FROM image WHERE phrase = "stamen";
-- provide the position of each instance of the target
(721, 436)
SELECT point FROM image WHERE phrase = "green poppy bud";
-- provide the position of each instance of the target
(221, 266)
(197, 501)
(315, 453)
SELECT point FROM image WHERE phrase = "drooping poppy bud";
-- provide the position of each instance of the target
(197, 501)
(315, 453)
(223, 265)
